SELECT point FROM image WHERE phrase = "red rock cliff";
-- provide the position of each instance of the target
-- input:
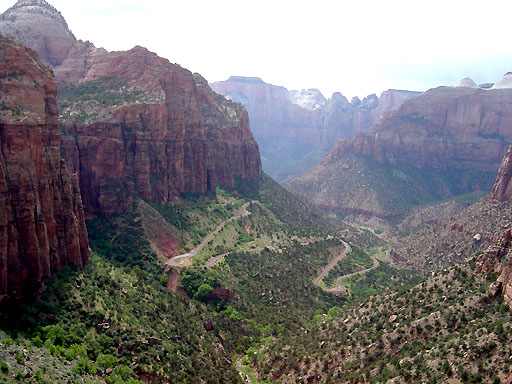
(168, 133)
(445, 128)
(136, 124)
(41, 216)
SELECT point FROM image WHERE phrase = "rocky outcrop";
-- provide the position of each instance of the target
(175, 135)
(502, 189)
(41, 216)
(295, 128)
(498, 259)
(136, 125)
(41, 27)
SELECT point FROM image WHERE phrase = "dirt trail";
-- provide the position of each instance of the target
(174, 262)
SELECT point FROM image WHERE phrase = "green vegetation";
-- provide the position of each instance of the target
(300, 216)
(356, 260)
(254, 314)
(384, 278)
(107, 92)
(383, 190)
(445, 327)
(122, 318)
(121, 239)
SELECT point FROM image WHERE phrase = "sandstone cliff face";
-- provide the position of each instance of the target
(502, 189)
(137, 125)
(445, 128)
(175, 135)
(303, 124)
(41, 216)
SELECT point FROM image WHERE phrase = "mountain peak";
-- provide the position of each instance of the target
(21, 3)
(38, 25)
(308, 98)
(504, 83)
(466, 82)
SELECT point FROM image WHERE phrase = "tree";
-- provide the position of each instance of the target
(203, 291)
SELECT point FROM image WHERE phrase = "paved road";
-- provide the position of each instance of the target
(333, 262)
(174, 262)
(340, 288)
(336, 260)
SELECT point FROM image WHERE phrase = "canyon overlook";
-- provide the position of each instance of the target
(445, 142)
(134, 124)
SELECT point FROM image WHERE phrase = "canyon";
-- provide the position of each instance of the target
(445, 142)
(295, 128)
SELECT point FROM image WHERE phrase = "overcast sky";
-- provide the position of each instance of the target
(355, 47)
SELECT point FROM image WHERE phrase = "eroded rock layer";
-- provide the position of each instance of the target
(168, 133)
(41, 216)
(445, 142)
(445, 128)
(136, 125)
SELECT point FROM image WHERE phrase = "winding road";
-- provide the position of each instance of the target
(174, 261)
(340, 288)
(332, 263)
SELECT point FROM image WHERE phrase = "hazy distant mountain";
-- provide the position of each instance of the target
(295, 128)
(448, 141)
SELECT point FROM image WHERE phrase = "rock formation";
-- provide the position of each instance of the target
(498, 258)
(466, 82)
(38, 25)
(445, 142)
(502, 189)
(445, 128)
(295, 128)
(505, 83)
(41, 216)
(175, 136)
(136, 124)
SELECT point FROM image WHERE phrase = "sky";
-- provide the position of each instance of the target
(355, 47)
